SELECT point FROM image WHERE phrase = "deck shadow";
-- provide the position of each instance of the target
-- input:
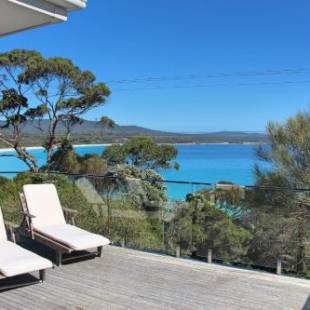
(49, 253)
(307, 304)
(13, 283)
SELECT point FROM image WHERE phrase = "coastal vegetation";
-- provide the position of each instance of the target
(142, 152)
(130, 205)
(289, 156)
(121, 193)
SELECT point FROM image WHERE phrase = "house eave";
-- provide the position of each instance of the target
(70, 4)
(19, 15)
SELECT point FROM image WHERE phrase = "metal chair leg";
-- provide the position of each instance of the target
(42, 275)
(99, 251)
(58, 258)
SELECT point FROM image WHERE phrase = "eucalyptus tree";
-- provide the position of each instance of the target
(142, 152)
(34, 88)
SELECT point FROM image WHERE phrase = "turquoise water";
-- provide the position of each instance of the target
(211, 164)
(199, 163)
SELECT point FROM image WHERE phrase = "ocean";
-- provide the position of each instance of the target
(209, 163)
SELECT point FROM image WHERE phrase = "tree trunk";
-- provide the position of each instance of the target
(22, 153)
(28, 159)
(51, 142)
(49, 152)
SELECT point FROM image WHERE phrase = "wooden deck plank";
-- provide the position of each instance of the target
(128, 279)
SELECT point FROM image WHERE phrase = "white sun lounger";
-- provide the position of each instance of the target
(15, 260)
(47, 224)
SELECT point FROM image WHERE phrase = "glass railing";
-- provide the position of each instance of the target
(267, 228)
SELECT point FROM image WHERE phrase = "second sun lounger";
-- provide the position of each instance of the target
(46, 223)
(15, 260)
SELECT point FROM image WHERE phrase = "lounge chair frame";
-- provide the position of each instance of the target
(41, 279)
(59, 248)
(10, 227)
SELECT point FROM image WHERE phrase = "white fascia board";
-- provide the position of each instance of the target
(70, 4)
(43, 7)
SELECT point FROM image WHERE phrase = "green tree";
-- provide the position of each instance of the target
(139, 188)
(198, 225)
(132, 167)
(228, 197)
(66, 160)
(142, 152)
(33, 88)
(107, 122)
(115, 154)
(92, 164)
(183, 229)
(130, 226)
(289, 157)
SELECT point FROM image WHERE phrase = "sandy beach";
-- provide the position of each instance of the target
(5, 150)
(8, 150)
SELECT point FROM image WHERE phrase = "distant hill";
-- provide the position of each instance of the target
(94, 132)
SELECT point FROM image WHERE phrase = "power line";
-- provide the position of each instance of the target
(241, 84)
(252, 73)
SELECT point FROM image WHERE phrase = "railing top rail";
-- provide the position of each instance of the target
(272, 188)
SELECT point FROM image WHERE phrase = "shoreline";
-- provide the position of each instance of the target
(3, 150)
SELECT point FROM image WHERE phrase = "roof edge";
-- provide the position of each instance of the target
(45, 8)
(70, 4)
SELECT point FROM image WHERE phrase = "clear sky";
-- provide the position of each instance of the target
(242, 57)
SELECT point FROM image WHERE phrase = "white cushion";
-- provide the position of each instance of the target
(15, 260)
(74, 237)
(43, 202)
(3, 236)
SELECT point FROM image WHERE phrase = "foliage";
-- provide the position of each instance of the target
(289, 156)
(227, 238)
(66, 160)
(198, 225)
(132, 227)
(107, 122)
(142, 152)
(145, 185)
(33, 87)
(70, 195)
(140, 188)
(239, 225)
(227, 197)
(9, 200)
(182, 231)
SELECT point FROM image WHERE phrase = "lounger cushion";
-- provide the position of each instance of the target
(73, 237)
(43, 202)
(15, 260)
(3, 236)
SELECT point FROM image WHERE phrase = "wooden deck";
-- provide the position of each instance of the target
(128, 279)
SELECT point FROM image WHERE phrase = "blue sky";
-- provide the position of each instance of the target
(122, 39)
